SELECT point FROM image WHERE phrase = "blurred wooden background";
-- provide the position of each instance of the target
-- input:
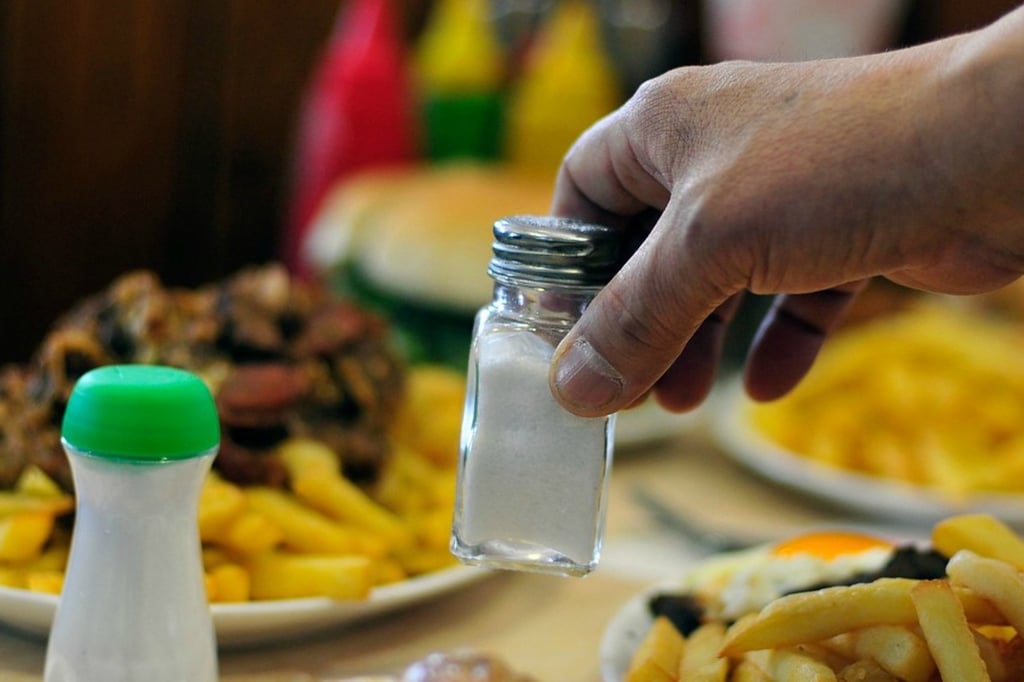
(157, 134)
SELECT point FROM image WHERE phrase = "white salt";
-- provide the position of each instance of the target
(535, 473)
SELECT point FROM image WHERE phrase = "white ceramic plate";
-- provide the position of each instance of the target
(868, 495)
(265, 621)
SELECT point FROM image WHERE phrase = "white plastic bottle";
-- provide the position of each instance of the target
(133, 607)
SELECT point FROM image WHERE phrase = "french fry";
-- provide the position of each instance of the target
(649, 671)
(34, 481)
(896, 649)
(700, 661)
(228, 583)
(945, 628)
(818, 615)
(992, 656)
(662, 647)
(432, 529)
(996, 580)
(982, 534)
(12, 502)
(821, 614)
(306, 530)
(388, 571)
(716, 671)
(251, 532)
(431, 418)
(418, 561)
(795, 666)
(53, 558)
(818, 651)
(292, 576)
(48, 582)
(22, 535)
(305, 456)
(12, 577)
(343, 501)
(220, 503)
(214, 556)
(748, 671)
(408, 484)
(442, 490)
(865, 670)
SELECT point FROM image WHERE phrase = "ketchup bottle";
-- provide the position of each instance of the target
(359, 112)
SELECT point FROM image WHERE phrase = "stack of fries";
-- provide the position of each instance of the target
(933, 395)
(964, 628)
(322, 536)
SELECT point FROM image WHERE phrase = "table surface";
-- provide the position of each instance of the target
(546, 627)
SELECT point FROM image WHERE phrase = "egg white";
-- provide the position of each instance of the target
(752, 579)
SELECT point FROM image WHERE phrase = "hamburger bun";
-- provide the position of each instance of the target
(423, 233)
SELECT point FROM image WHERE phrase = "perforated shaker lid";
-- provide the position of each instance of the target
(545, 250)
(142, 413)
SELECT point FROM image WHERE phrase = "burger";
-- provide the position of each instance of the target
(414, 243)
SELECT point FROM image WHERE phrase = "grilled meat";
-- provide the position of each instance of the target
(282, 358)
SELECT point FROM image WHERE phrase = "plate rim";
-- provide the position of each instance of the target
(257, 622)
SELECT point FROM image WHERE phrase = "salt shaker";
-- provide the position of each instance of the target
(140, 440)
(533, 477)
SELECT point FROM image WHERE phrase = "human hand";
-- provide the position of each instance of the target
(801, 180)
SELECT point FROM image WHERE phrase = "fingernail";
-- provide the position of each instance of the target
(584, 378)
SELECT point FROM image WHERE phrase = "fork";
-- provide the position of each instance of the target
(695, 534)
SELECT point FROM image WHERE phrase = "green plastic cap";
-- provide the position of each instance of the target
(141, 412)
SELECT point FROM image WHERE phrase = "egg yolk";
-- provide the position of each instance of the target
(828, 544)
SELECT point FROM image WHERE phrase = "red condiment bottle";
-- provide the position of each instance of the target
(359, 112)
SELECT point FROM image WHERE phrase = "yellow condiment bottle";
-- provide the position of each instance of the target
(460, 69)
(568, 83)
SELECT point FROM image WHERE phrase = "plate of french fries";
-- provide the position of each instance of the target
(914, 416)
(961, 622)
(283, 562)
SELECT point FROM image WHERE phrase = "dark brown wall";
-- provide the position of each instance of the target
(156, 134)
(141, 133)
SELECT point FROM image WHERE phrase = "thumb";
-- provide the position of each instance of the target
(638, 324)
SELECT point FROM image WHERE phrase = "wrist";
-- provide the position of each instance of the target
(983, 89)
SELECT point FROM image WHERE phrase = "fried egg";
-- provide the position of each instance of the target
(762, 575)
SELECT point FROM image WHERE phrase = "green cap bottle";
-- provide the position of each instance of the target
(141, 413)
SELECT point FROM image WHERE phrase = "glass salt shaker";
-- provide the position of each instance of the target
(533, 477)
(140, 440)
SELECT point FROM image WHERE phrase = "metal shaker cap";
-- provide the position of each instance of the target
(548, 251)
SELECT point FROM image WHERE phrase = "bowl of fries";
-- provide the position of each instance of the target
(913, 416)
(963, 624)
(283, 562)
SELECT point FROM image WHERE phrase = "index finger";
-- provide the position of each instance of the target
(602, 180)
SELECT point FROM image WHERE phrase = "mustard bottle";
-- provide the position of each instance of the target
(568, 83)
(459, 66)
